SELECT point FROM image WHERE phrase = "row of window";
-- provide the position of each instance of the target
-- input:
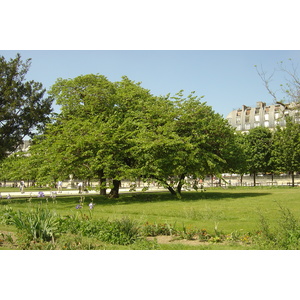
(258, 110)
(257, 118)
(265, 124)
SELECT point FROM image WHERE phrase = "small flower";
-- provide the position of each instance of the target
(91, 205)
(78, 206)
(41, 194)
(8, 196)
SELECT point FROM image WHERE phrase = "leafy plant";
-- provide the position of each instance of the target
(6, 215)
(156, 229)
(123, 232)
(285, 236)
(39, 224)
(188, 233)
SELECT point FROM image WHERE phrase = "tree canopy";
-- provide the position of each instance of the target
(118, 130)
(286, 149)
(23, 107)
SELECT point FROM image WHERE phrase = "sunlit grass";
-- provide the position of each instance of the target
(228, 209)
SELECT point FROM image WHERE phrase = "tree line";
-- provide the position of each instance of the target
(120, 130)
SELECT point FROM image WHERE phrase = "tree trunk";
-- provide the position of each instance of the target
(114, 193)
(293, 179)
(254, 179)
(165, 184)
(180, 183)
(171, 190)
(272, 179)
(102, 182)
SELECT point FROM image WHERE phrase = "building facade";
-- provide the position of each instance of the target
(269, 116)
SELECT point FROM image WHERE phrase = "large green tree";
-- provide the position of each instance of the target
(236, 161)
(95, 131)
(23, 107)
(258, 151)
(120, 130)
(286, 150)
(185, 139)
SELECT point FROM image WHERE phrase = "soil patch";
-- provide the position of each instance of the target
(166, 239)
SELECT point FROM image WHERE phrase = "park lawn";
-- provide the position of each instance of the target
(227, 210)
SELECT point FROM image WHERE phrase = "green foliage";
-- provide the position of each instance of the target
(143, 244)
(6, 215)
(216, 219)
(122, 232)
(23, 106)
(258, 150)
(236, 155)
(285, 235)
(188, 232)
(185, 138)
(286, 150)
(38, 224)
(120, 130)
(155, 229)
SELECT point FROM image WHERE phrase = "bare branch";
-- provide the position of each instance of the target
(266, 80)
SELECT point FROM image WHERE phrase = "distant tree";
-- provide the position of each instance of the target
(286, 150)
(23, 108)
(237, 157)
(258, 151)
(17, 166)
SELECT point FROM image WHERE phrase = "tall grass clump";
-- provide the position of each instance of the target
(285, 235)
(38, 224)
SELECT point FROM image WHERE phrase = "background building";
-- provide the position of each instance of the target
(269, 116)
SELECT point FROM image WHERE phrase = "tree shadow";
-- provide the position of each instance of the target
(137, 197)
(130, 198)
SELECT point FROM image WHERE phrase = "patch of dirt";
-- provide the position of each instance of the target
(166, 239)
(7, 239)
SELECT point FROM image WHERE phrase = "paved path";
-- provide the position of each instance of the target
(35, 194)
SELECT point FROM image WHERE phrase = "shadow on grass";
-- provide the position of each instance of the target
(129, 198)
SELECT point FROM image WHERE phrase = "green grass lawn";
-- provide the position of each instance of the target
(228, 210)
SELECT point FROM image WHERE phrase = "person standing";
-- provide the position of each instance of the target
(80, 187)
(22, 184)
(59, 186)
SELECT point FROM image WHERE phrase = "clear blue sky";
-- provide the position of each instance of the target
(227, 78)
